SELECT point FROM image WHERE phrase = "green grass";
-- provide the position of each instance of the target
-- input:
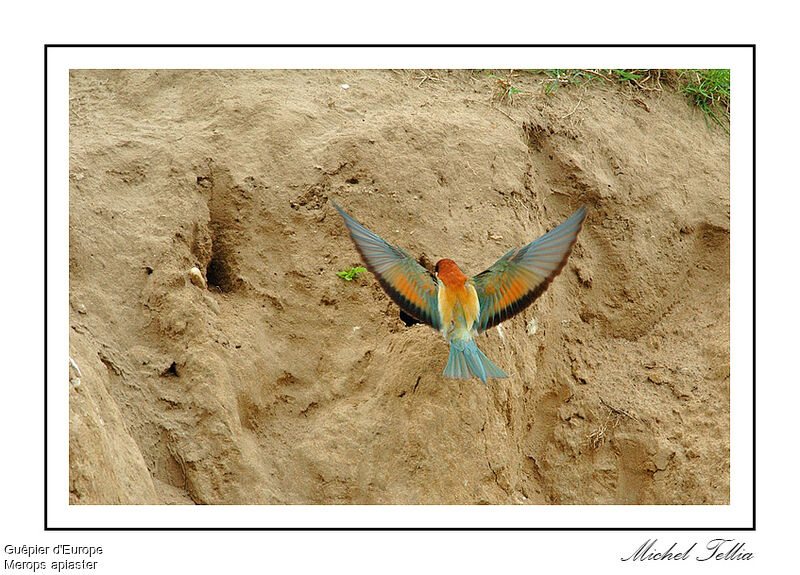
(505, 89)
(351, 273)
(709, 90)
(559, 77)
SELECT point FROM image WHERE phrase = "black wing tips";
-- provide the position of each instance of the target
(407, 306)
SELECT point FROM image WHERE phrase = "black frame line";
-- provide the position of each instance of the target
(45, 287)
(750, 528)
(399, 46)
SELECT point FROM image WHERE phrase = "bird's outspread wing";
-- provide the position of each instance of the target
(409, 284)
(521, 275)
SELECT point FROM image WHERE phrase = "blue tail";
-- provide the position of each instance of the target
(466, 361)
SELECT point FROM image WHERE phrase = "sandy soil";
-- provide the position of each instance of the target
(281, 383)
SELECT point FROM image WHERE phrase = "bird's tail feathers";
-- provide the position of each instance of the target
(466, 361)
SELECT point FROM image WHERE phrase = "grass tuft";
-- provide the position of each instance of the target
(560, 77)
(505, 90)
(710, 90)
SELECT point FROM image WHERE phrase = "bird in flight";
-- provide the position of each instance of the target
(462, 307)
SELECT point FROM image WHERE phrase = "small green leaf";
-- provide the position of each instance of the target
(351, 273)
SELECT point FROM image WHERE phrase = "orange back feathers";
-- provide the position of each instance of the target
(451, 276)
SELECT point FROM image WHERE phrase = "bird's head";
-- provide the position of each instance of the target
(448, 272)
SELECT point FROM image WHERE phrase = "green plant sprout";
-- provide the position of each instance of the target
(351, 274)
(505, 90)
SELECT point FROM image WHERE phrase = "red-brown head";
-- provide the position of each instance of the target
(448, 272)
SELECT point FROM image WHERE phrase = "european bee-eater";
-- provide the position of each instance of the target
(462, 308)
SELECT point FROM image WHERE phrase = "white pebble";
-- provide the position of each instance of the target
(75, 374)
(197, 278)
(533, 326)
(345, 86)
(74, 366)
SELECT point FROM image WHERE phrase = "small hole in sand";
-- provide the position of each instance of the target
(171, 371)
(407, 319)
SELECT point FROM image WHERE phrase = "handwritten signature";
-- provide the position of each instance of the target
(717, 549)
